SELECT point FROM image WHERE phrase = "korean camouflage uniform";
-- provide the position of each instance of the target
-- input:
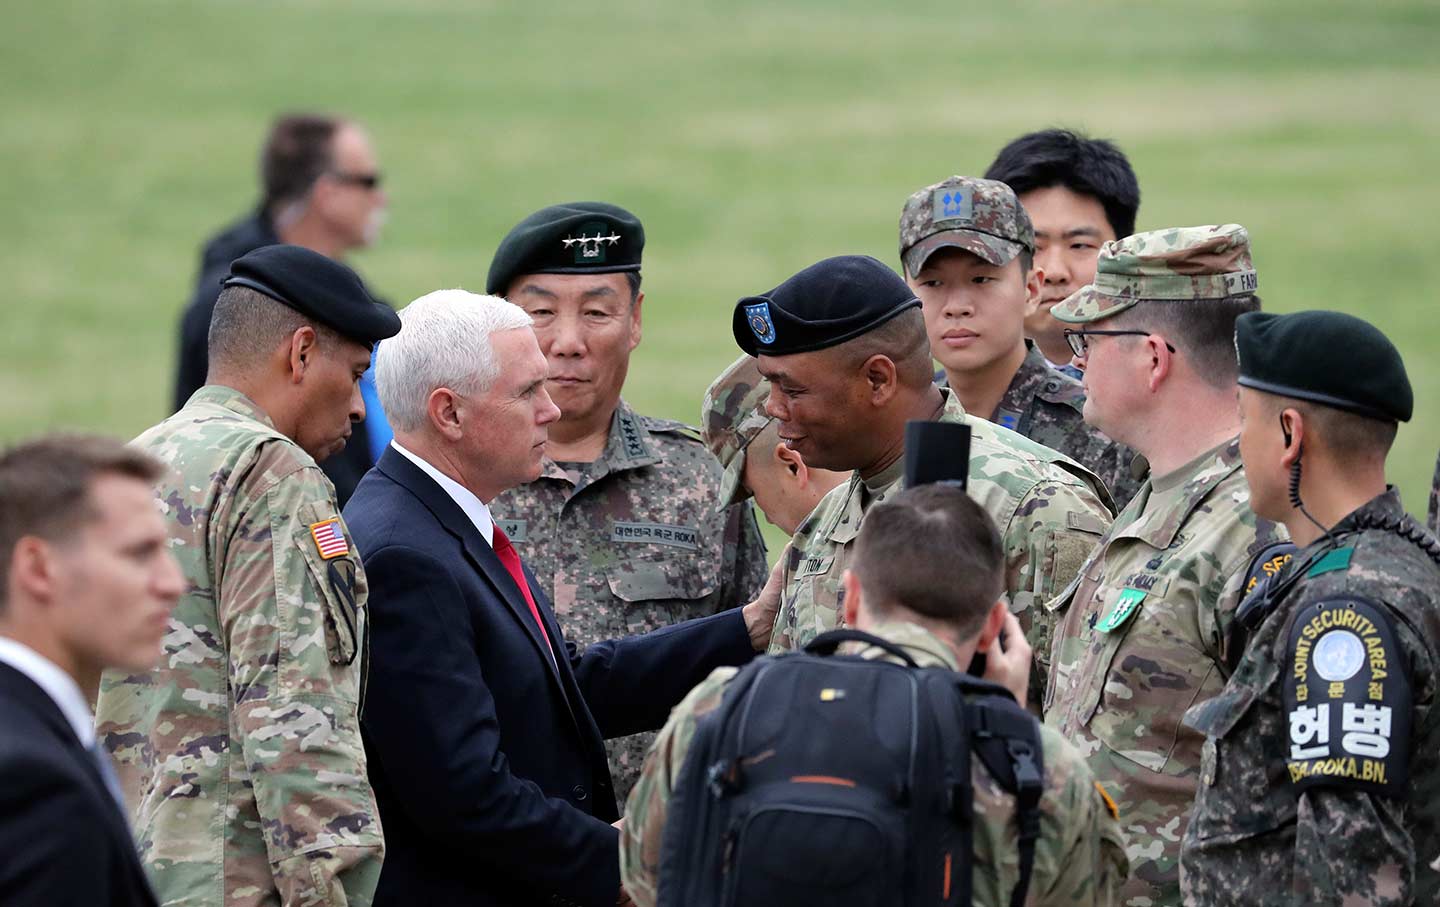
(1434, 512)
(1079, 858)
(241, 754)
(1046, 406)
(633, 542)
(1304, 797)
(1141, 636)
(1046, 507)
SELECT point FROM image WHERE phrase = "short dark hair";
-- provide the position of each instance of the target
(934, 551)
(633, 278)
(247, 325)
(1203, 329)
(1348, 436)
(1085, 166)
(45, 487)
(903, 339)
(298, 151)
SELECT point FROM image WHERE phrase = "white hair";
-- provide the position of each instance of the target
(444, 341)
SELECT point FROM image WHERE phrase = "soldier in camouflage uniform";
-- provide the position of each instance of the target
(746, 441)
(241, 754)
(1320, 776)
(844, 349)
(967, 247)
(1079, 858)
(624, 529)
(1142, 630)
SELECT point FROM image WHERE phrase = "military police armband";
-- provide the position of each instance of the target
(1347, 699)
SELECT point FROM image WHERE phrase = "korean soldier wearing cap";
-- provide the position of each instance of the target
(624, 528)
(1142, 631)
(241, 753)
(1320, 778)
(746, 441)
(843, 346)
(968, 249)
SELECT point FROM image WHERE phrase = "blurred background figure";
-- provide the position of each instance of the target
(87, 583)
(320, 188)
(746, 441)
(1080, 193)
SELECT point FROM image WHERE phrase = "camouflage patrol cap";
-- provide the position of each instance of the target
(979, 216)
(733, 416)
(1180, 263)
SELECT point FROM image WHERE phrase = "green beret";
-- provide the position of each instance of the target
(1328, 358)
(824, 305)
(317, 287)
(574, 238)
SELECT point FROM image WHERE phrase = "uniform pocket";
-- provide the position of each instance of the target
(662, 591)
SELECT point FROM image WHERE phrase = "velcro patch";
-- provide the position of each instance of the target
(1125, 607)
(329, 538)
(1347, 699)
(656, 533)
(514, 529)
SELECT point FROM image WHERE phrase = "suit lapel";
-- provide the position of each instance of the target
(455, 521)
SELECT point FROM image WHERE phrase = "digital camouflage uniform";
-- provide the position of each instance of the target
(634, 542)
(1046, 507)
(1140, 636)
(241, 751)
(1079, 859)
(1320, 700)
(1434, 512)
(1046, 406)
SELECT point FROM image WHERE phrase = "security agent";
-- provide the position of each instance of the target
(1321, 769)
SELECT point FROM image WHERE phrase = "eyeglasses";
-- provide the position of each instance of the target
(365, 180)
(1080, 347)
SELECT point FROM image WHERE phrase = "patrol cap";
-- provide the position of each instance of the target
(573, 238)
(1328, 358)
(826, 304)
(317, 287)
(733, 415)
(979, 216)
(1180, 263)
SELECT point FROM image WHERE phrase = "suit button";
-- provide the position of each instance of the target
(578, 792)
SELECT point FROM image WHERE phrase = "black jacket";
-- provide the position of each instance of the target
(63, 840)
(486, 754)
(246, 235)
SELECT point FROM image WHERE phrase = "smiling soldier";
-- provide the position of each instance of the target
(624, 528)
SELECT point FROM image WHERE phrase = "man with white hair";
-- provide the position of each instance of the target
(484, 729)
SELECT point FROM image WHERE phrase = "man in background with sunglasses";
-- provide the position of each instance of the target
(1142, 632)
(320, 188)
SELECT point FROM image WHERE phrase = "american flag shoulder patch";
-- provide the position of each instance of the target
(329, 538)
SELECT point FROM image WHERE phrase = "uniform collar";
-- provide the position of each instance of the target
(59, 686)
(1183, 490)
(1035, 377)
(1386, 505)
(233, 400)
(928, 650)
(627, 446)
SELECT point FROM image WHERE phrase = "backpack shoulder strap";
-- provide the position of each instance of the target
(1007, 740)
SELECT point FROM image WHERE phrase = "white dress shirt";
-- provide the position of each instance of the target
(474, 508)
(58, 685)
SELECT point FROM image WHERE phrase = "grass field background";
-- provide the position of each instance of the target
(752, 138)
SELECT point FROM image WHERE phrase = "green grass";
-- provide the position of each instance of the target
(753, 138)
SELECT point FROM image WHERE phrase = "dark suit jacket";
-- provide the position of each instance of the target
(249, 233)
(63, 840)
(486, 755)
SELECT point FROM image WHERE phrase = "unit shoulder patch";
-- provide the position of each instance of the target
(1347, 699)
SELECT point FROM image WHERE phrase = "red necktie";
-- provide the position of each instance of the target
(511, 559)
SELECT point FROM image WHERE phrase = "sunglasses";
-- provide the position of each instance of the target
(364, 180)
(1080, 346)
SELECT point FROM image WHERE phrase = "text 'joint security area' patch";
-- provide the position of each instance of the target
(1347, 699)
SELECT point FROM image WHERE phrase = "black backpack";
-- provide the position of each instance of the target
(825, 779)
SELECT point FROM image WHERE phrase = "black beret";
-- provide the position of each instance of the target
(574, 238)
(826, 304)
(1325, 357)
(317, 287)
